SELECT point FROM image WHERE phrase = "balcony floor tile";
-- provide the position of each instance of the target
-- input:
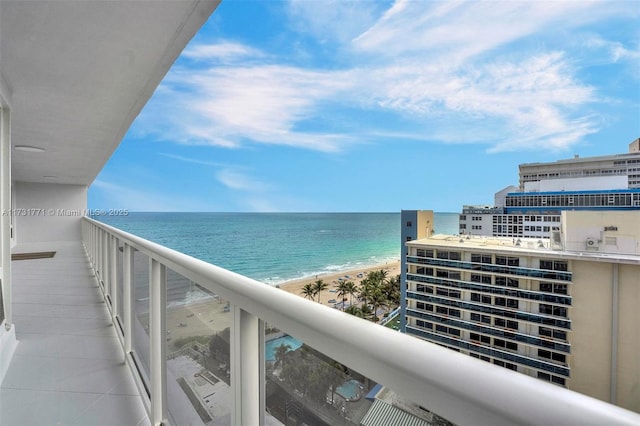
(69, 367)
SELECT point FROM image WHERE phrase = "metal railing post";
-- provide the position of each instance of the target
(245, 369)
(157, 334)
(105, 266)
(113, 277)
(127, 297)
(99, 258)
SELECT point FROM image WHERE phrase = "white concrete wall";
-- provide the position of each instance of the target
(48, 212)
(595, 183)
(579, 226)
(500, 197)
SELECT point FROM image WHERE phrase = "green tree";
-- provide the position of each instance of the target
(355, 311)
(319, 286)
(378, 300)
(392, 291)
(281, 352)
(352, 290)
(309, 291)
(342, 291)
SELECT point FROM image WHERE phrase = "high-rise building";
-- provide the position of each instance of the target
(563, 309)
(605, 183)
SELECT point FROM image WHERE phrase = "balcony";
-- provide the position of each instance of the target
(234, 376)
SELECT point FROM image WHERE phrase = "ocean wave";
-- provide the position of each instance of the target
(192, 296)
(330, 270)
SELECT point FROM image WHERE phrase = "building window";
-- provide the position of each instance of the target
(549, 378)
(549, 332)
(552, 355)
(479, 278)
(424, 324)
(553, 288)
(481, 258)
(480, 338)
(424, 253)
(481, 318)
(424, 271)
(505, 344)
(442, 254)
(560, 266)
(409, 224)
(505, 260)
(558, 311)
(421, 288)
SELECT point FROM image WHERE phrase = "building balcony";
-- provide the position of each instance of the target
(118, 348)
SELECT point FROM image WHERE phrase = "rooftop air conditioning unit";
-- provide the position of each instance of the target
(592, 243)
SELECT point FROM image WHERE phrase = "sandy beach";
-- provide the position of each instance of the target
(355, 275)
(210, 316)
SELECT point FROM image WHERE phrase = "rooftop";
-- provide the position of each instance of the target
(526, 246)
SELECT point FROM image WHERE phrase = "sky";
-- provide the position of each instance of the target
(377, 106)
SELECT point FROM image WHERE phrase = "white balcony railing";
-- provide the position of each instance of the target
(455, 386)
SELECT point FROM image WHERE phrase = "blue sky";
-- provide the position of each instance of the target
(331, 106)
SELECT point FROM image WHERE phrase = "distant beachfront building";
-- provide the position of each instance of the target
(416, 224)
(564, 310)
(604, 183)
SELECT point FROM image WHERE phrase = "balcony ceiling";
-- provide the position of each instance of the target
(79, 72)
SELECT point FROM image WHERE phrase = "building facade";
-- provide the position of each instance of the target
(562, 310)
(532, 210)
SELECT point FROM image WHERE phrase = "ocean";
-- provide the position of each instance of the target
(277, 247)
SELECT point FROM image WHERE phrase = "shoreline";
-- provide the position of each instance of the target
(295, 286)
(210, 316)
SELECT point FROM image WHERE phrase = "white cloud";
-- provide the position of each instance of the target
(234, 179)
(333, 20)
(223, 51)
(191, 160)
(226, 106)
(458, 31)
(616, 50)
(475, 72)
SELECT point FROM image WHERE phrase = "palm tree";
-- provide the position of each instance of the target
(392, 290)
(342, 290)
(281, 351)
(352, 289)
(309, 291)
(368, 287)
(319, 286)
(378, 299)
(355, 311)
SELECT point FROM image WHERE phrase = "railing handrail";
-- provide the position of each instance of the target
(455, 386)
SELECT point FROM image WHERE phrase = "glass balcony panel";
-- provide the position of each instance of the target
(198, 354)
(141, 313)
(119, 281)
(304, 386)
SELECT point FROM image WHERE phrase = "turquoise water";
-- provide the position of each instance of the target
(272, 345)
(276, 247)
(349, 389)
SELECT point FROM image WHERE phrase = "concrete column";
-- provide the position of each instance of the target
(5, 216)
(245, 369)
(157, 334)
